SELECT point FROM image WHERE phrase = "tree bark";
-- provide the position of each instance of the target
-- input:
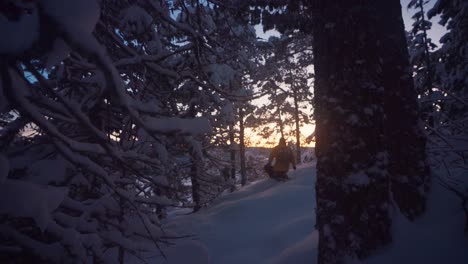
(278, 112)
(404, 131)
(352, 180)
(232, 152)
(194, 174)
(280, 122)
(298, 131)
(242, 146)
(369, 140)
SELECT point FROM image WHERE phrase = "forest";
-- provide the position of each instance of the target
(137, 131)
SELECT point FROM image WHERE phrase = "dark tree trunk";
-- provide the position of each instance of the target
(278, 112)
(403, 130)
(232, 152)
(369, 140)
(242, 147)
(352, 180)
(280, 122)
(298, 131)
(194, 171)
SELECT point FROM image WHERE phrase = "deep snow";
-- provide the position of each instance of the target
(271, 222)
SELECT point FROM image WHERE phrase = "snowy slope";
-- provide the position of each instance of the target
(266, 222)
(271, 222)
(436, 237)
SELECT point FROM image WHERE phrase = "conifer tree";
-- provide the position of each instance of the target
(360, 53)
(407, 166)
(121, 98)
(352, 178)
(453, 54)
(422, 59)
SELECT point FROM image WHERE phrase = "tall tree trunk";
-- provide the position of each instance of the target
(298, 131)
(121, 249)
(280, 122)
(352, 180)
(242, 146)
(194, 174)
(404, 133)
(278, 112)
(232, 151)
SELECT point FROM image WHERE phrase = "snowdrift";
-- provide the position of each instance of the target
(272, 223)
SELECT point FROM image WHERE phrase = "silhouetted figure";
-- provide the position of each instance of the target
(283, 156)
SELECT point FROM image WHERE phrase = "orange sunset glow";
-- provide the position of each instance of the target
(253, 139)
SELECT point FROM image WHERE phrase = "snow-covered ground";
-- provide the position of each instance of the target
(435, 238)
(271, 222)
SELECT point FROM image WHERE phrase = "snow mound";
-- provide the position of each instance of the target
(274, 223)
(24, 199)
(266, 222)
(303, 252)
(436, 237)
